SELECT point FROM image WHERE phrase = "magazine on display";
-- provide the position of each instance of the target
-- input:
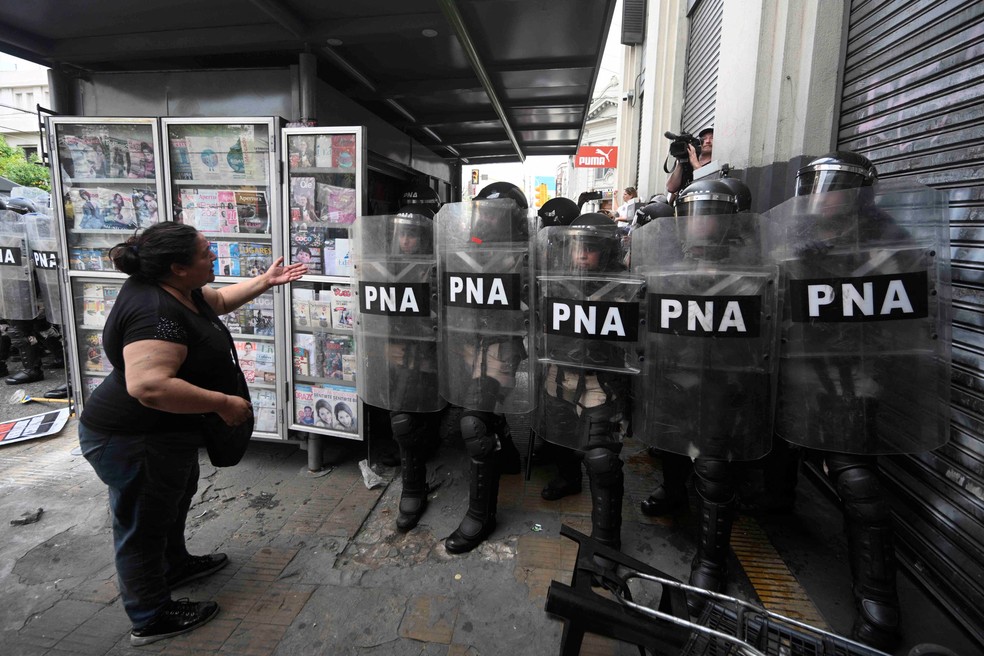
(252, 211)
(302, 200)
(338, 359)
(319, 310)
(303, 353)
(97, 301)
(101, 208)
(90, 259)
(253, 318)
(342, 307)
(302, 151)
(241, 258)
(326, 406)
(322, 151)
(299, 307)
(343, 151)
(335, 204)
(95, 361)
(180, 160)
(264, 410)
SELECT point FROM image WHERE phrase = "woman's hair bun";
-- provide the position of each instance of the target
(126, 256)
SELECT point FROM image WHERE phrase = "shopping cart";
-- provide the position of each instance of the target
(605, 598)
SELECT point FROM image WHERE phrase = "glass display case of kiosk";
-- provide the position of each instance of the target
(221, 177)
(323, 197)
(107, 183)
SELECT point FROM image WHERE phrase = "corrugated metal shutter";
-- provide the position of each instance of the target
(913, 80)
(633, 22)
(703, 53)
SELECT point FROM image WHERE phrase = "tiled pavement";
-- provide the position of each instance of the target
(316, 567)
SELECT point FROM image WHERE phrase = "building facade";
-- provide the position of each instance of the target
(900, 82)
(21, 91)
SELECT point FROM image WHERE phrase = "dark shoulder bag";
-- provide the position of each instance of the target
(226, 444)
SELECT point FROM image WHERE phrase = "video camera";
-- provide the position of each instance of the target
(679, 143)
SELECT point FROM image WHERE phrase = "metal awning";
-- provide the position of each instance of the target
(480, 80)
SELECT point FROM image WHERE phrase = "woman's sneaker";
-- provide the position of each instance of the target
(195, 567)
(175, 618)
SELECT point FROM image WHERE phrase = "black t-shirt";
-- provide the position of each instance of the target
(147, 312)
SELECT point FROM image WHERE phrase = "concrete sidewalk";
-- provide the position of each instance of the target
(317, 567)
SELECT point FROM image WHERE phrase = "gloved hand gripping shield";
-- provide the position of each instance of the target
(396, 328)
(18, 295)
(43, 242)
(485, 272)
(589, 330)
(712, 335)
(866, 330)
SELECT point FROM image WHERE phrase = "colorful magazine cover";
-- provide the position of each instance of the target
(180, 160)
(142, 162)
(119, 157)
(309, 255)
(303, 353)
(338, 358)
(254, 258)
(343, 151)
(246, 351)
(336, 204)
(302, 151)
(342, 307)
(266, 365)
(344, 405)
(145, 207)
(302, 200)
(299, 307)
(320, 311)
(252, 211)
(303, 405)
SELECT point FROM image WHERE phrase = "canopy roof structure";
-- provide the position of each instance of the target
(475, 80)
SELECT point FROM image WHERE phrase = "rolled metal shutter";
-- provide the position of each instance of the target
(913, 80)
(703, 53)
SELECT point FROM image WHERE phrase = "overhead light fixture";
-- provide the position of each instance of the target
(429, 33)
(334, 42)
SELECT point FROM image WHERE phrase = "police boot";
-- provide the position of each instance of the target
(568, 480)
(53, 344)
(871, 548)
(4, 353)
(716, 503)
(671, 496)
(607, 488)
(479, 520)
(509, 458)
(413, 498)
(31, 360)
(872, 555)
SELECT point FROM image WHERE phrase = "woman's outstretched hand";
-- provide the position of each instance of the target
(278, 274)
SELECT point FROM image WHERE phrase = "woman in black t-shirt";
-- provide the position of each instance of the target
(141, 429)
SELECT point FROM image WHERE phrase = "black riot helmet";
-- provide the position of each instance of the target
(743, 195)
(501, 223)
(841, 169)
(654, 210)
(707, 197)
(421, 196)
(558, 211)
(595, 233)
(504, 190)
(21, 206)
(410, 234)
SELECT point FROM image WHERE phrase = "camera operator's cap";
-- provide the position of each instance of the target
(710, 128)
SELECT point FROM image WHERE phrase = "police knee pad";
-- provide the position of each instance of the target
(603, 463)
(855, 477)
(714, 481)
(478, 432)
(406, 428)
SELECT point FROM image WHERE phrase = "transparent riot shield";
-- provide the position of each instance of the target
(484, 271)
(43, 243)
(18, 295)
(589, 326)
(865, 359)
(396, 327)
(711, 338)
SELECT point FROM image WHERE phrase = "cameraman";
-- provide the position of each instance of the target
(683, 173)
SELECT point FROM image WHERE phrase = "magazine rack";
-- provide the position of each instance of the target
(323, 198)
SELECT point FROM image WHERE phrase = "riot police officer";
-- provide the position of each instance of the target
(397, 333)
(862, 317)
(710, 376)
(558, 211)
(588, 329)
(28, 329)
(485, 268)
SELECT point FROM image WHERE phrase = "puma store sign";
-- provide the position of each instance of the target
(486, 291)
(870, 298)
(395, 299)
(618, 322)
(705, 316)
(10, 256)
